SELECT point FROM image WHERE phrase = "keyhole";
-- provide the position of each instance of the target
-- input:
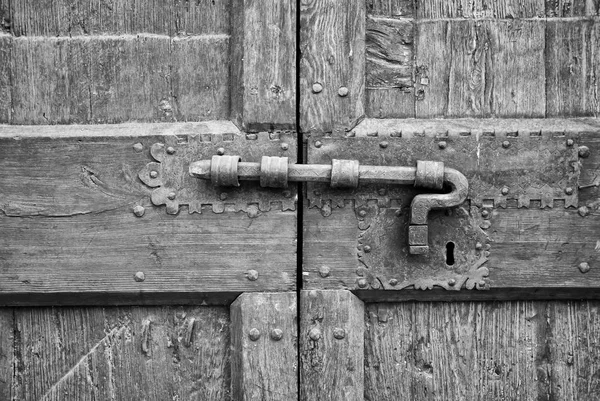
(450, 253)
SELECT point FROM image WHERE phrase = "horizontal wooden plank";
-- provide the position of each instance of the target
(482, 351)
(69, 228)
(112, 79)
(154, 353)
(88, 17)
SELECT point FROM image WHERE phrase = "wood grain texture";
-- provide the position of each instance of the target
(88, 17)
(468, 68)
(435, 9)
(5, 84)
(68, 226)
(263, 70)
(332, 45)
(482, 351)
(389, 68)
(572, 8)
(572, 68)
(122, 353)
(331, 346)
(391, 8)
(264, 368)
(6, 352)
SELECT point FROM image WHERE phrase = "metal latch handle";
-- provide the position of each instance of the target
(276, 172)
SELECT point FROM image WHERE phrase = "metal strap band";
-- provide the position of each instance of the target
(429, 174)
(344, 173)
(274, 172)
(224, 171)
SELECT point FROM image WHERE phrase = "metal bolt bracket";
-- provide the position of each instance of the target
(275, 172)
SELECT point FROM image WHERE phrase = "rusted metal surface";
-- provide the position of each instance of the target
(174, 187)
(540, 168)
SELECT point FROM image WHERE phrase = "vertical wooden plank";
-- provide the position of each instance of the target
(5, 83)
(480, 68)
(49, 78)
(332, 77)
(331, 346)
(510, 9)
(389, 68)
(264, 343)
(391, 8)
(6, 352)
(122, 353)
(202, 17)
(572, 8)
(263, 64)
(572, 68)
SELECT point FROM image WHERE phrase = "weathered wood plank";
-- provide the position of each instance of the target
(572, 8)
(5, 84)
(332, 68)
(69, 18)
(480, 68)
(389, 68)
(331, 346)
(68, 225)
(264, 338)
(6, 353)
(482, 351)
(572, 68)
(391, 8)
(263, 54)
(128, 353)
(434, 9)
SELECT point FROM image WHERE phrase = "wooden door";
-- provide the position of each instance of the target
(506, 93)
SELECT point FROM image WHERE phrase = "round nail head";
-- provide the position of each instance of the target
(442, 144)
(505, 191)
(254, 334)
(138, 147)
(285, 146)
(318, 144)
(221, 151)
(569, 191)
(485, 213)
(252, 275)
(367, 248)
(139, 210)
(584, 152)
(583, 211)
(362, 213)
(315, 334)
(362, 282)
(276, 334)
(478, 246)
(139, 277)
(393, 282)
(324, 271)
(153, 174)
(382, 191)
(383, 144)
(570, 142)
(171, 150)
(339, 333)
(223, 196)
(506, 144)
(452, 282)
(584, 267)
(171, 196)
(317, 87)
(343, 91)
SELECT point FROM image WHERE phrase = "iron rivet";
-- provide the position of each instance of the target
(362, 282)
(506, 144)
(317, 87)
(171, 195)
(452, 282)
(584, 267)
(485, 224)
(223, 196)
(382, 192)
(569, 191)
(485, 213)
(276, 334)
(251, 137)
(393, 282)
(570, 142)
(139, 277)
(153, 174)
(287, 193)
(442, 144)
(383, 144)
(339, 333)
(324, 271)
(221, 151)
(343, 91)
(367, 248)
(254, 334)
(584, 152)
(583, 211)
(505, 191)
(138, 147)
(252, 275)
(318, 144)
(398, 212)
(313, 293)
(285, 146)
(362, 213)
(482, 283)
(139, 210)
(478, 246)
(315, 334)
(170, 150)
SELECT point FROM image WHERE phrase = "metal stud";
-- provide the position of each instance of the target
(324, 271)
(393, 282)
(570, 142)
(485, 224)
(367, 248)
(383, 144)
(485, 213)
(171, 150)
(221, 151)
(139, 277)
(583, 211)
(153, 174)
(362, 283)
(362, 213)
(138, 147)
(171, 195)
(318, 144)
(254, 334)
(569, 191)
(584, 152)
(339, 333)
(315, 334)
(223, 196)
(343, 91)
(505, 191)
(442, 144)
(252, 275)
(276, 334)
(139, 210)
(452, 282)
(584, 267)
(506, 144)
(478, 246)
(285, 146)
(317, 87)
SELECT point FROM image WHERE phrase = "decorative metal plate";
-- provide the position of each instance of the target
(175, 187)
(500, 168)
